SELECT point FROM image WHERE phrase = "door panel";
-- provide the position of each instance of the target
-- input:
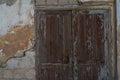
(55, 49)
(89, 35)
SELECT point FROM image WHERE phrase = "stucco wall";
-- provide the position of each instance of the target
(17, 55)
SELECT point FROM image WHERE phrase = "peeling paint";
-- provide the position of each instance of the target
(18, 13)
(10, 44)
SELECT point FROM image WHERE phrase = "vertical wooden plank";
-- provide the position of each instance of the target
(60, 38)
(67, 38)
(37, 46)
(75, 30)
(42, 36)
(52, 38)
(89, 37)
(99, 26)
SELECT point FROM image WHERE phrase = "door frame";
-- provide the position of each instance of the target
(113, 45)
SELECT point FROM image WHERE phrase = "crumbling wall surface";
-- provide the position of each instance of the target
(17, 55)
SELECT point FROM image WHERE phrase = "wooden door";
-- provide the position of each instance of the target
(54, 47)
(91, 45)
(73, 45)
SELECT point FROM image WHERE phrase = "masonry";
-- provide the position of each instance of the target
(17, 35)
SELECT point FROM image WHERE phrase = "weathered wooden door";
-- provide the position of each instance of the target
(73, 45)
(91, 33)
(54, 57)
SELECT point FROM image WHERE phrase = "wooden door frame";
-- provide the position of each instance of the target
(110, 7)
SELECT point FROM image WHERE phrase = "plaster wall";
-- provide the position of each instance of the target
(17, 55)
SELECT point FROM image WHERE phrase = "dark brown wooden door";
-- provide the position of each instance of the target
(72, 45)
(54, 57)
